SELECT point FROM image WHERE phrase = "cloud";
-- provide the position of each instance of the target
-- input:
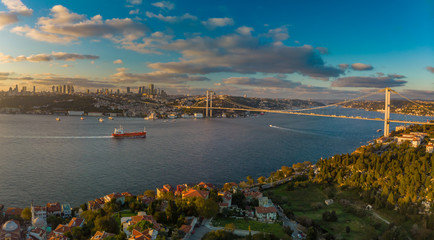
(419, 94)
(16, 6)
(171, 19)
(218, 22)
(361, 67)
(43, 57)
(164, 4)
(7, 18)
(370, 82)
(50, 79)
(244, 30)
(118, 61)
(272, 82)
(278, 34)
(135, 2)
(343, 66)
(122, 76)
(244, 54)
(430, 69)
(134, 12)
(4, 75)
(66, 65)
(64, 26)
(322, 50)
(149, 44)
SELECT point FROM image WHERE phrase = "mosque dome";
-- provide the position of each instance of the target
(39, 222)
(10, 226)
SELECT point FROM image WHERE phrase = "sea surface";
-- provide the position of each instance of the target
(75, 160)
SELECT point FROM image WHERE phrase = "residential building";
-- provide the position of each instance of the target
(66, 210)
(13, 212)
(54, 209)
(119, 198)
(429, 147)
(38, 233)
(101, 235)
(266, 213)
(192, 193)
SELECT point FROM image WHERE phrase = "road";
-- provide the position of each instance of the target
(286, 222)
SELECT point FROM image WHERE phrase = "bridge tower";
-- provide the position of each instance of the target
(206, 107)
(386, 112)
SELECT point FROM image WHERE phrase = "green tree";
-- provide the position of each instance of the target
(150, 193)
(26, 214)
(207, 208)
(107, 223)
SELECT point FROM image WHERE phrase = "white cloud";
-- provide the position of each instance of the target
(122, 76)
(17, 6)
(64, 26)
(7, 18)
(118, 61)
(43, 57)
(361, 67)
(218, 22)
(134, 12)
(171, 19)
(164, 4)
(392, 80)
(245, 30)
(135, 2)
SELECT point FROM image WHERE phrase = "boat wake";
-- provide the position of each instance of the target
(293, 130)
(57, 137)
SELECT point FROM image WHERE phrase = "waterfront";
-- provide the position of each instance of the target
(75, 161)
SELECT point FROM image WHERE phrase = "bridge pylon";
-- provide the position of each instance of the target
(386, 112)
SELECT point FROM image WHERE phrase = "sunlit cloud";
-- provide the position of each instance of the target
(361, 67)
(392, 80)
(164, 5)
(43, 57)
(118, 61)
(123, 76)
(218, 22)
(171, 19)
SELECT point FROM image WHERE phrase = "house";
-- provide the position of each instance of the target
(227, 200)
(266, 213)
(165, 189)
(180, 189)
(13, 212)
(148, 218)
(76, 222)
(54, 209)
(252, 195)
(265, 202)
(127, 194)
(66, 210)
(381, 139)
(101, 235)
(96, 204)
(38, 212)
(192, 193)
(119, 198)
(145, 199)
(61, 229)
(208, 186)
(148, 234)
(11, 230)
(329, 202)
(38, 233)
(415, 142)
(429, 147)
(400, 128)
(54, 236)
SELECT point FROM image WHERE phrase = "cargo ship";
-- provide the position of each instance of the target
(119, 133)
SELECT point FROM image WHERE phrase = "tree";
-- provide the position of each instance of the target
(347, 229)
(250, 180)
(207, 208)
(26, 214)
(150, 193)
(107, 223)
(261, 179)
(230, 227)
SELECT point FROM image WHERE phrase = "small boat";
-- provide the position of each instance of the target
(100, 119)
(262, 113)
(82, 118)
(271, 125)
(119, 133)
(379, 130)
(58, 119)
(146, 118)
(110, 118)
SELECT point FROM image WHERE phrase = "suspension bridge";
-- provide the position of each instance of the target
(303, 112)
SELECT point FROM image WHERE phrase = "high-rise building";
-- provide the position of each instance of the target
(128, 89)
(34, 89)
(151, 89)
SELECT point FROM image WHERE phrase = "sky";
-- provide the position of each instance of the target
(277, 49)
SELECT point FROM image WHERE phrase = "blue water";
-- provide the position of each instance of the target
(74, 161)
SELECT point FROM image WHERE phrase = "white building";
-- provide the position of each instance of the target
(429, 147)
(266, 214)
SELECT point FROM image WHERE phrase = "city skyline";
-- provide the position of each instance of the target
(278, 49)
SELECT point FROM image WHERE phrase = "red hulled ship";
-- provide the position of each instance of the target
(119, 133)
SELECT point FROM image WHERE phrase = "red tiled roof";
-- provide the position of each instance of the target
(53, 207)
(264, 210)
(185, 228)
(13, 211)
(62, 229)
(101, 235)
(195, 193)
(75, 222)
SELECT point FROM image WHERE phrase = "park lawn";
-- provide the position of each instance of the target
(300, 202)
(274, 228)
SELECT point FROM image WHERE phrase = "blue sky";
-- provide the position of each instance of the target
(282, 49)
